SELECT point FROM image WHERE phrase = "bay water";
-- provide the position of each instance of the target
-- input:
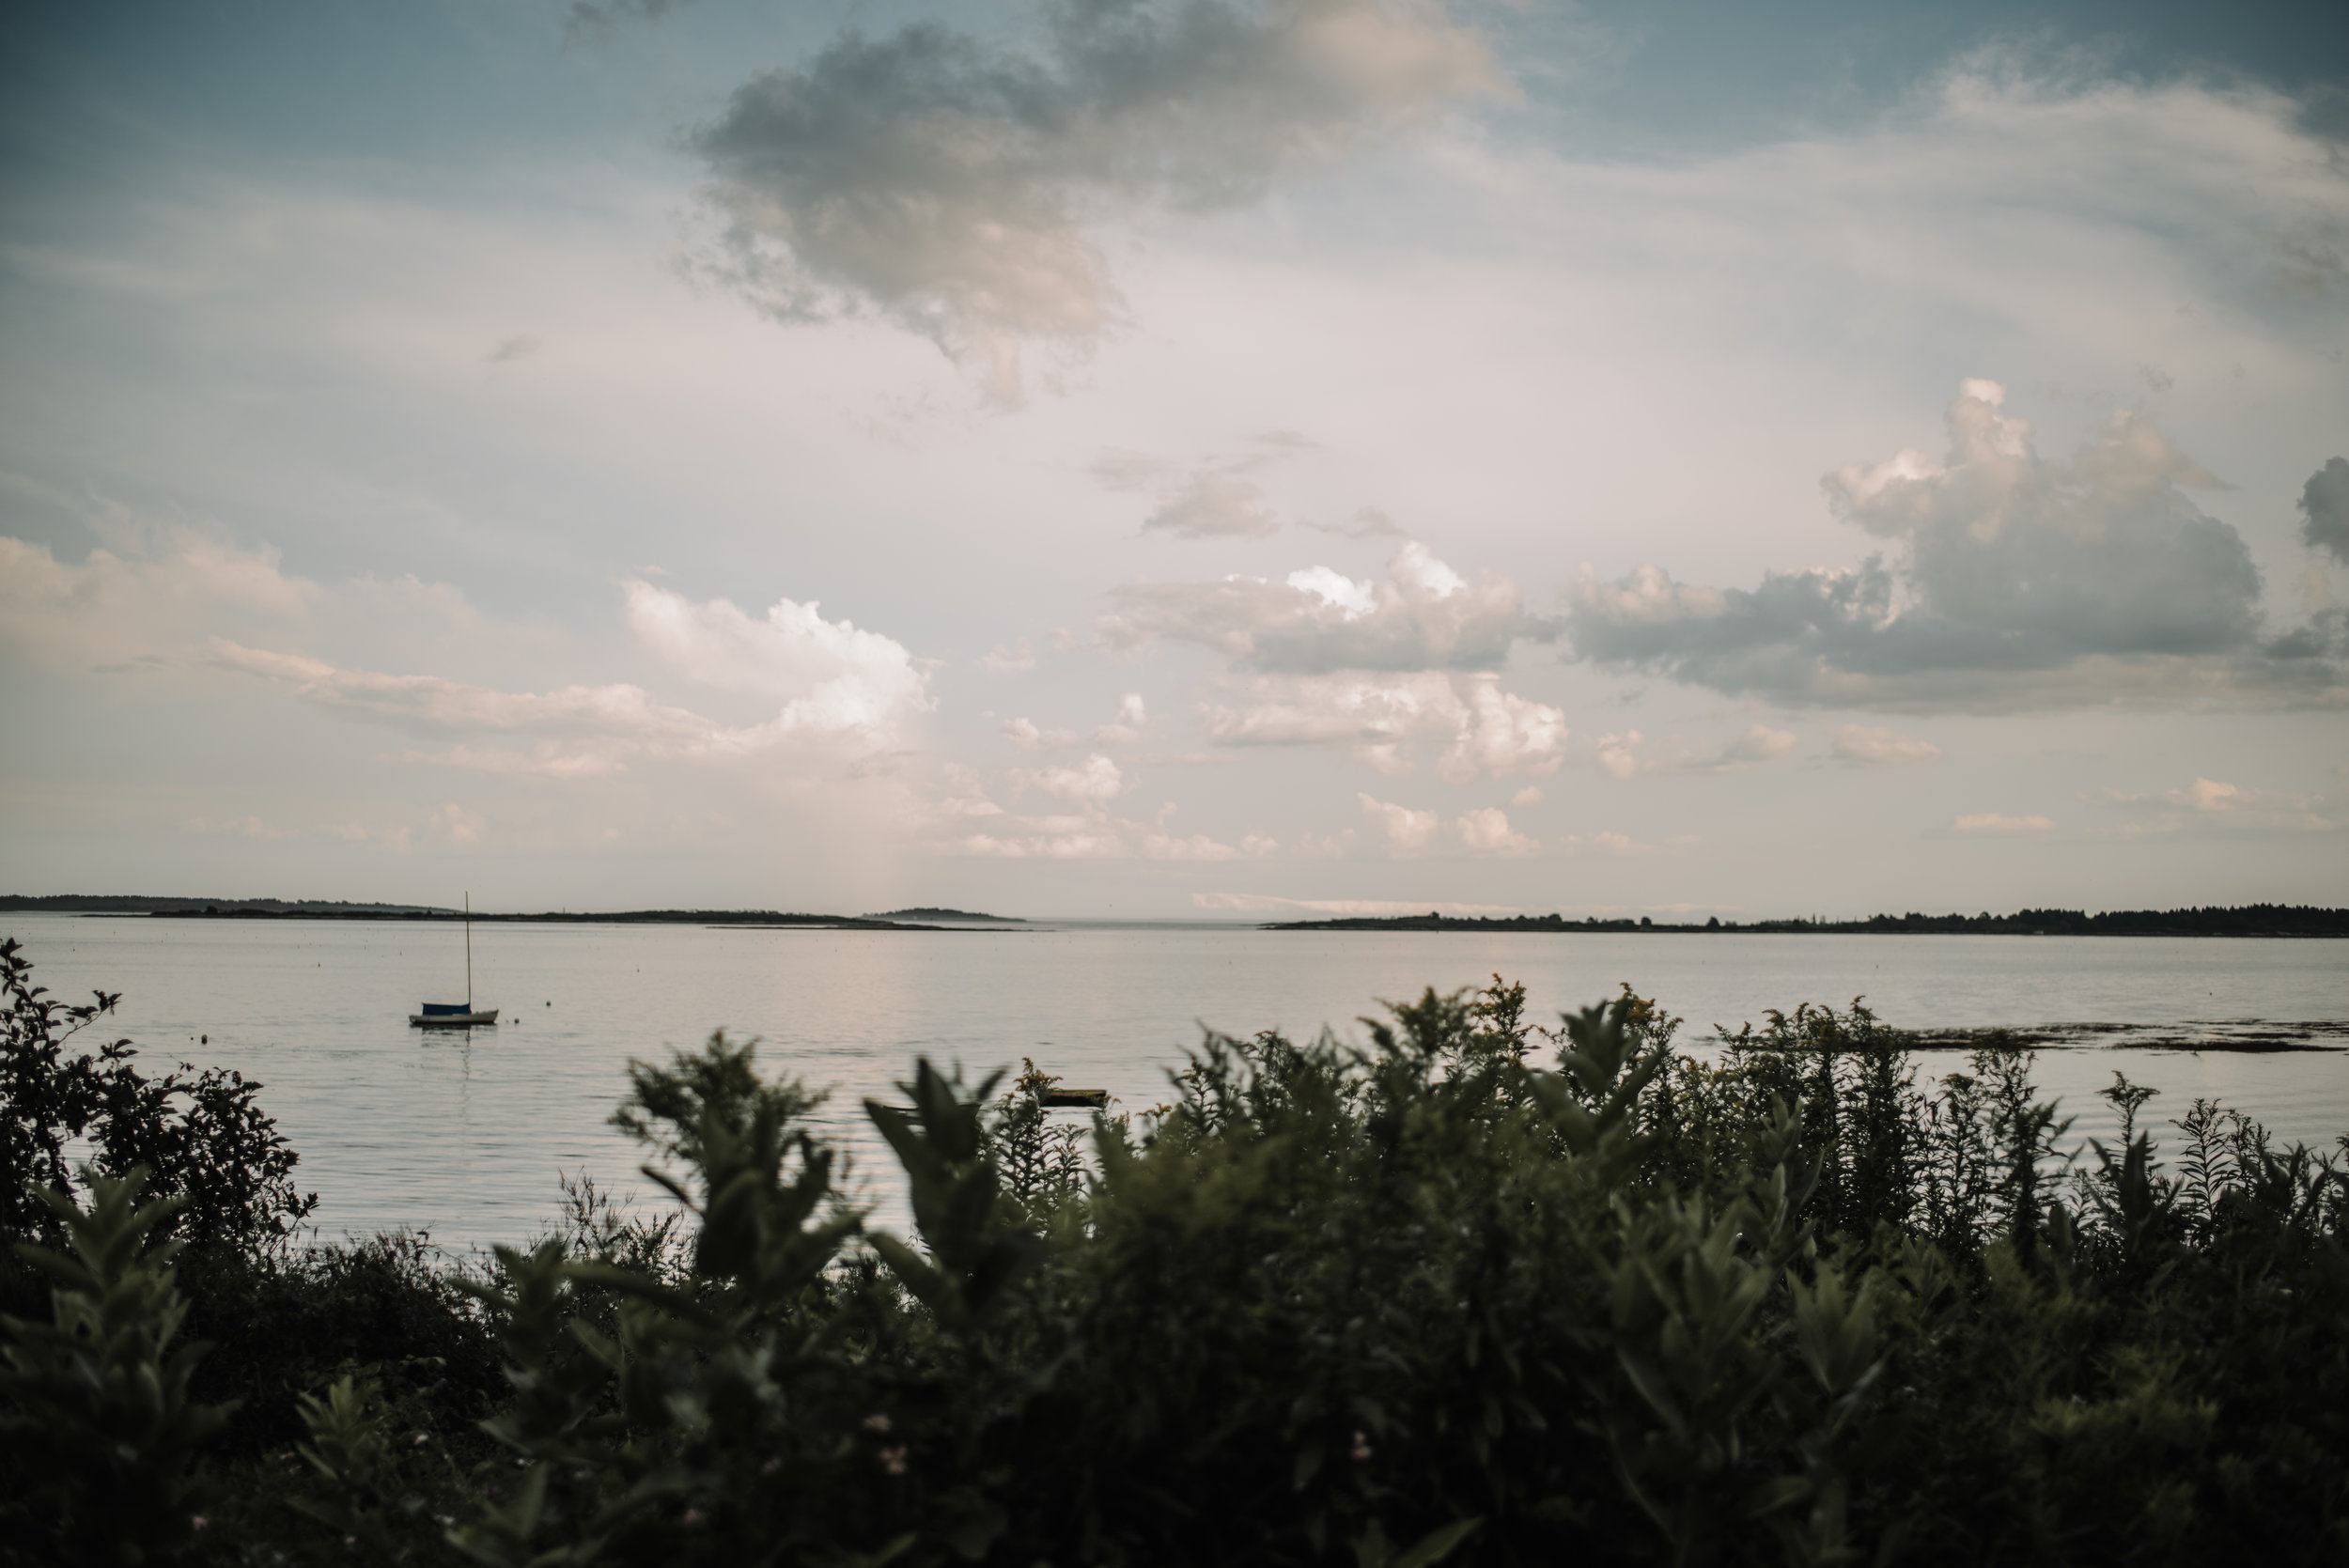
(463, 1133)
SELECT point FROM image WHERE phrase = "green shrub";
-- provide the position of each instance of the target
(95, 1418)
(199, 1134)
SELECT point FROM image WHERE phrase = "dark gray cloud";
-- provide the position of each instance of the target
(1424, 616)
(946, 181)
(2015, 581)
(591, 21)
(2325, 508)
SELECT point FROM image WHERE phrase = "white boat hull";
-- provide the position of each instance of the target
(452, 1020)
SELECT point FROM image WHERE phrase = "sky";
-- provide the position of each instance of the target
(1177, 459)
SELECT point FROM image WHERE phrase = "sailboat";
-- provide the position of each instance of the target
(447, 1014)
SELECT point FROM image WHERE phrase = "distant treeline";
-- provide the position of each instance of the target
(2248, 920)
(141, 904)
(279, 908)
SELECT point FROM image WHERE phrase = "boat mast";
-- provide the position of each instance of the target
(469, 951)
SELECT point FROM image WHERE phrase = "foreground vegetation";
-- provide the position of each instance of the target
(1479, 1293)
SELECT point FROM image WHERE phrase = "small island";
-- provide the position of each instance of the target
(964, 917)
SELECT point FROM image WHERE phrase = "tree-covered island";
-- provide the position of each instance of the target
(2248, 920)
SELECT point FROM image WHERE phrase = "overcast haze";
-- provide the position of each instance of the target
(1177, 460)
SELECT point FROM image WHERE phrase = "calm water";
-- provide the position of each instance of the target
(463, 1133)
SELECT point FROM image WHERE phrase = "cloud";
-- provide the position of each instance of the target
(831, 677)
(1097, 781)
(1486, 831)
(1341, 908)
(1631, 753)
(1369, 523)
(1123, 730)
(1474, 728)
(946, 181)
(1212, 499)
(2213, 805)
(2018, 582)
(592, 21)
(519, 347)
(587, 730)
(1407, 832)
(1530, 796)
(1009, 658)
(1091, 831)
(159, 592)
(840, 690)
(1214, 505)
(1069, 839)
(1992, 824)
(546, 759)
(1873, 747)
(1422, 617)
(1025, 735)
(1198, 847)
(2325, 508)
(1623, 843)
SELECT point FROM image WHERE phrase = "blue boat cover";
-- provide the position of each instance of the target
(441, 1009)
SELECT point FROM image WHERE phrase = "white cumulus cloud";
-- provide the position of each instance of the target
(1097, 781)
(1423, 615)
(831, 677)
(1486, 831)
(1470, 726)
(2017, 581)
(1407, 832)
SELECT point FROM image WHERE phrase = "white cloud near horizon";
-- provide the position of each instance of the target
(584, 731)
(1343, 908)
(1873, 746)
(124, 603)
(2000, 825)
(1406, 829)
(831, 677)
(1486, 831)
(841, 693)
(1421, 616)
(1630, 754)
(1472, 727)
(2216, 806)
(1611, 842)
(1095, 782)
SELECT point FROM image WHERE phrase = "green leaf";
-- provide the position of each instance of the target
(1435, 1544)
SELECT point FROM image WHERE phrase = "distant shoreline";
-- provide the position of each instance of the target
(2250, 920)
(271, 909)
